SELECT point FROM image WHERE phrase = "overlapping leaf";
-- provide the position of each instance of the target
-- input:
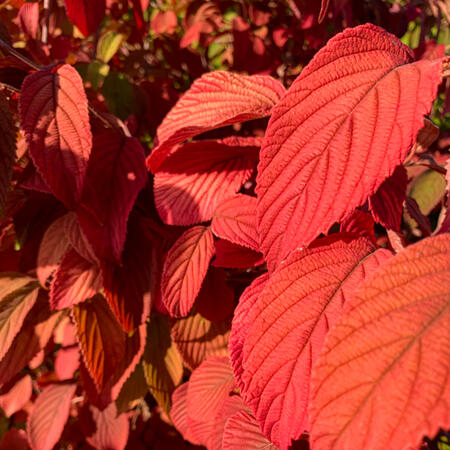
(15, 398)
(75, 280)
(50, 413)
(346, 122)
(101, 338)
(235, 220)
(197, 338)
(288, 322)
(115, 175)
(234, 256)
(7, 149)
(29, 19)
(54, 116)
(215, 100)
(199, 175)
(86, 15)
(387, 202)
(185, 267)
(382, 380)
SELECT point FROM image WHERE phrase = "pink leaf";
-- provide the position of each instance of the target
(105, 429)
(199, 175)
(387, 202)
(346, 122)
(67, 362)
(235, 220)
(115, 175)
(28, 17)
(185, 268)
(75, 281)
(17, 396)
(242, 323)
(50, 413)
(86, 15)
(215, 100)
(301, 301)
(212, 380)
(242, 431)
(381, 381)
(54, 116)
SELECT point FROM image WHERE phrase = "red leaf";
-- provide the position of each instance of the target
(199, 175)
(233, 256)
(86, 15)
(382, 381)
(346, 122)
(214, 100)
(116, 173)
(212, 380)
(53, 247)
(78, 240)
(134, 348)
(50, 413)
(242, 323)
(105, 429)
(387, 203)
(28, 17)
(101, 338)
(14, 439)
(67, 362)
(242, 431)
(185, 268)
(18, 295)
(361, 224)
(75, 281)
(215, 301)
(15, 398)
(7, 149)
(130, 287)
(197, 338)
(235, 220)
(302, 299)
(54, 116)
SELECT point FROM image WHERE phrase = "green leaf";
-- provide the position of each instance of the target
(109, 44)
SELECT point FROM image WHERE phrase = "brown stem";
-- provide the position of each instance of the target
(430, 165)
(12, 51)
(8, 86)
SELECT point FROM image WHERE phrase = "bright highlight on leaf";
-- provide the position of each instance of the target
(346, 122)
(382, 380)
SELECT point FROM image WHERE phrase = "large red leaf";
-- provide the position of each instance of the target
(185, 268)
(54, 116)
(85, 14)
(101, 338)
(50, 413)
(115, 175)
(382, 380)
(235, 220)
(302, 299)
(387, 202)
(197, 338)
(130, 287)
(53, 247)
(7, 149)
(212, 380)
(18, 294)
(241, 324)
(199, 175)
(75, 280)
(105, 429)
(242, 431)
(346, 122)
(215, 100)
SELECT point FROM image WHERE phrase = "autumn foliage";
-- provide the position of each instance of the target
(224, 224)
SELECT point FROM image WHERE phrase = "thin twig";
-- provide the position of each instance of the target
(10, 87)
(12, 51)
(44, 34)
(430, 165)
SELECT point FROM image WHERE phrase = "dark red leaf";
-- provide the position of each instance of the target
(50, 413)
(233, 256)
(115, 175)
(86, 15)
(361, 224)
(214, 100)
(336, 135)
(199, 175)
(54, 116)
(14, 439)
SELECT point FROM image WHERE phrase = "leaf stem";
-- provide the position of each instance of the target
(12, 51)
